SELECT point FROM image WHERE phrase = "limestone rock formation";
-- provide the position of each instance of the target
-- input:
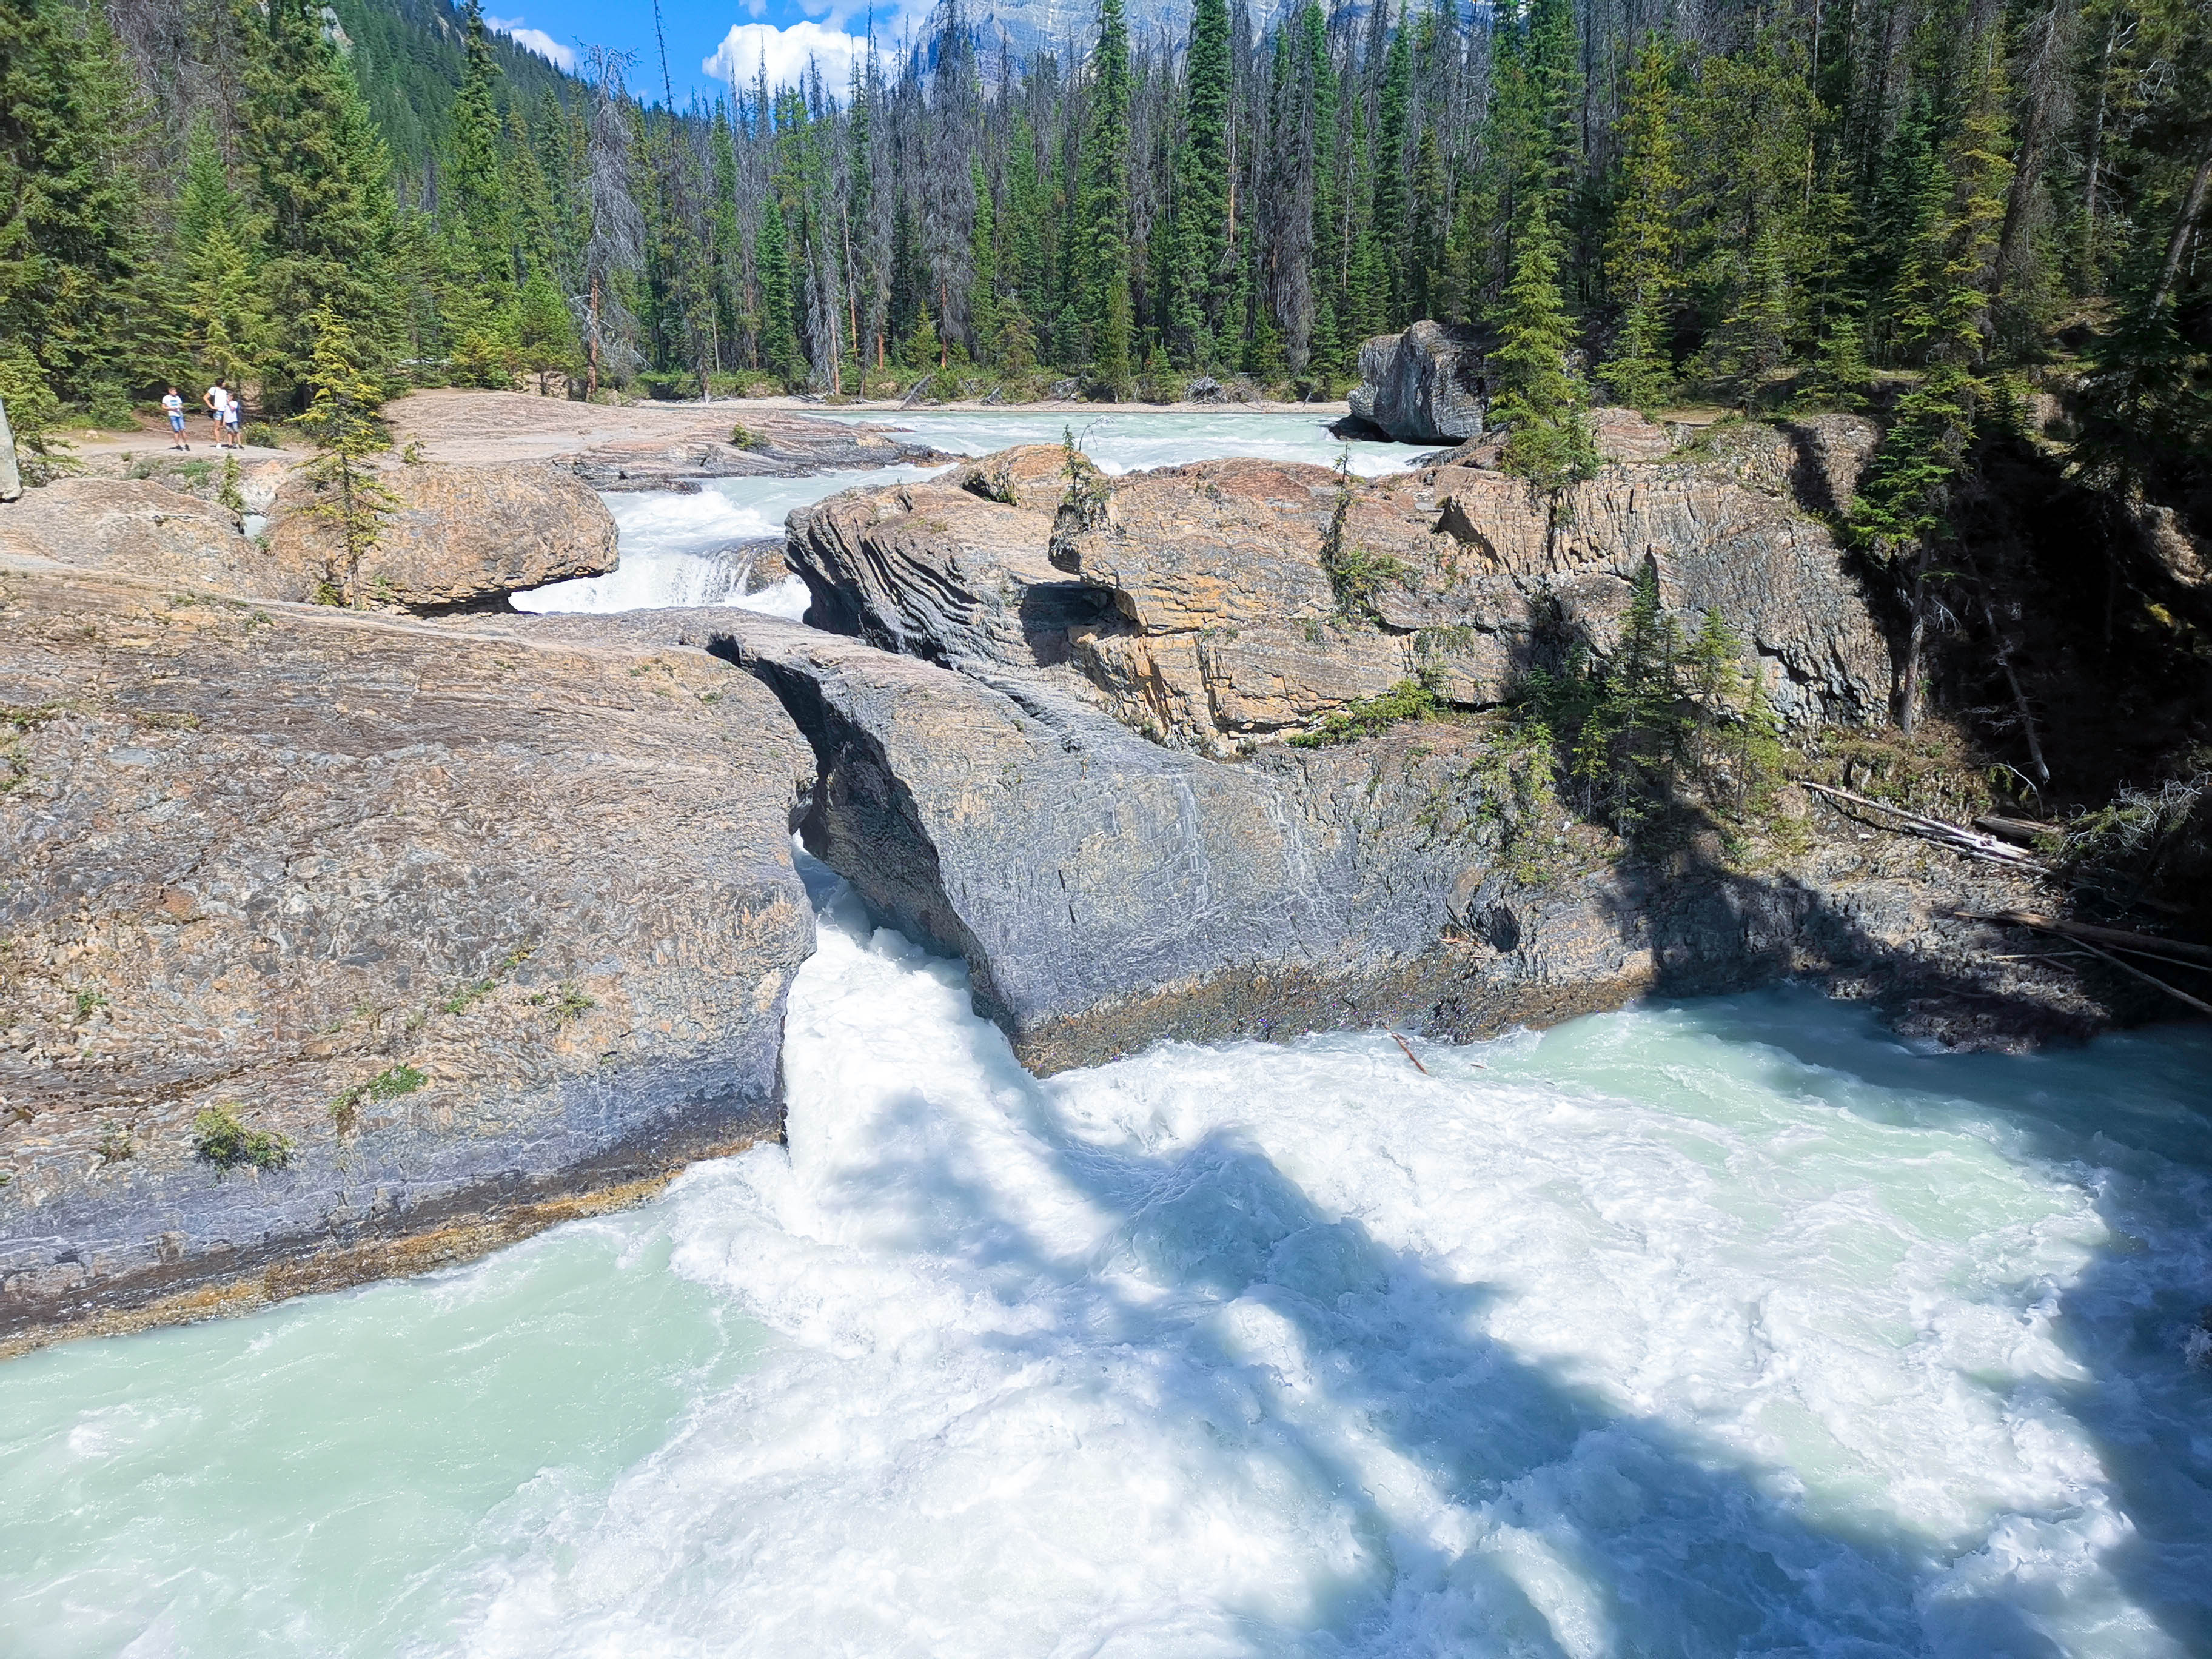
(1108, 892)
(493, 930)
(456, 538)
(135, 526)
(1233, 600)
(942, 570)
(1430, 384)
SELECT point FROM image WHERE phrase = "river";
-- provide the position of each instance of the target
(1730, 1326)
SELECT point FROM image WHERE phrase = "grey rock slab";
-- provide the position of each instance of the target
(259, 856)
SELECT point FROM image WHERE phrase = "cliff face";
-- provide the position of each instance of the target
(489, 930)
(1107, 891)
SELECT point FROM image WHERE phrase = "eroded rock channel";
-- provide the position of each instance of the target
(490, 919)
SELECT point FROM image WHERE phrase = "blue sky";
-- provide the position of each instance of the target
(707, 38)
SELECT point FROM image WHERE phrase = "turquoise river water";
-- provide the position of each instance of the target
(1727, 1327)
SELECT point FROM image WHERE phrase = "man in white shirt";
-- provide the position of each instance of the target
(174, 407)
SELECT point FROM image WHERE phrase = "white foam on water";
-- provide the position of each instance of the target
(674, 545)
(1728, 1328)
(1636, 1339)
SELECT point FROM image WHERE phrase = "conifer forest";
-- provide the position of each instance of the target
(1925, 207)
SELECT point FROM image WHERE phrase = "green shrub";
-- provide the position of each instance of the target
(1662, 725)
(1355, 573)
(220, 1139)
(262, 435)
(1408, 700)
(743, 437)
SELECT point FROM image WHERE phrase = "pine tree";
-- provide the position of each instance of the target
(1538, 402)
(1106, 315)
(1197, 295)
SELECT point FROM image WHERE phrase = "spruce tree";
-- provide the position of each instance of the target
(477, 178)
(71, 229)
(1107, 318)
(342, 423)
(1390, 214)
(321, 175)
(226, 323)
(1197, 295)
(779, 337)
(1540, 402)
(1644, 243)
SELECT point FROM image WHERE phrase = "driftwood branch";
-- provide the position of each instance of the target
(2119, 938)
(2086, 935)
(1410, 1054)
(2202, 1007)
(1972, 843)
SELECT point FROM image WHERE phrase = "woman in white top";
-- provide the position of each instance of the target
(215, 397)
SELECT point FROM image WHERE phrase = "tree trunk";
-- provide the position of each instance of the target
(1915, 643)
(592, 379)
(2045, 74)
(2183, 230)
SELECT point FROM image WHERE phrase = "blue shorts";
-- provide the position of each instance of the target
(176, 423)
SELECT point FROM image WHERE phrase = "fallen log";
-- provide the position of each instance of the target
(1972, 843)
(2181, 952)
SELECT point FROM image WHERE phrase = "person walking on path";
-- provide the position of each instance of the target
(230, 407)
(215, 397)
(174, 407)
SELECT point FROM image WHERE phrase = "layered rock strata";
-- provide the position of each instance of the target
(489, 930)
(447, 538)
(1228, 601)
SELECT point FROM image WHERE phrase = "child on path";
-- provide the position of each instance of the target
(230, 410)
(174, 407)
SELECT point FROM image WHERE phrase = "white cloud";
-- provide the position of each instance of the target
(535, 40)
(787, 51)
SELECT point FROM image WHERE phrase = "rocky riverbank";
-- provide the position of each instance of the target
(339, 943)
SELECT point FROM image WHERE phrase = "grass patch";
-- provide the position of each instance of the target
(218, 1138)
(387, 1085)
(565, 1003)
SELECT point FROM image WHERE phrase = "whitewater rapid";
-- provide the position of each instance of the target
(1729, 1327)
(678, 550)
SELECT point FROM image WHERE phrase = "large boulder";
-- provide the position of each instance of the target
(453, 538)
(1430, 384)
(135, 526)
(1250, 595)
(492, 930)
